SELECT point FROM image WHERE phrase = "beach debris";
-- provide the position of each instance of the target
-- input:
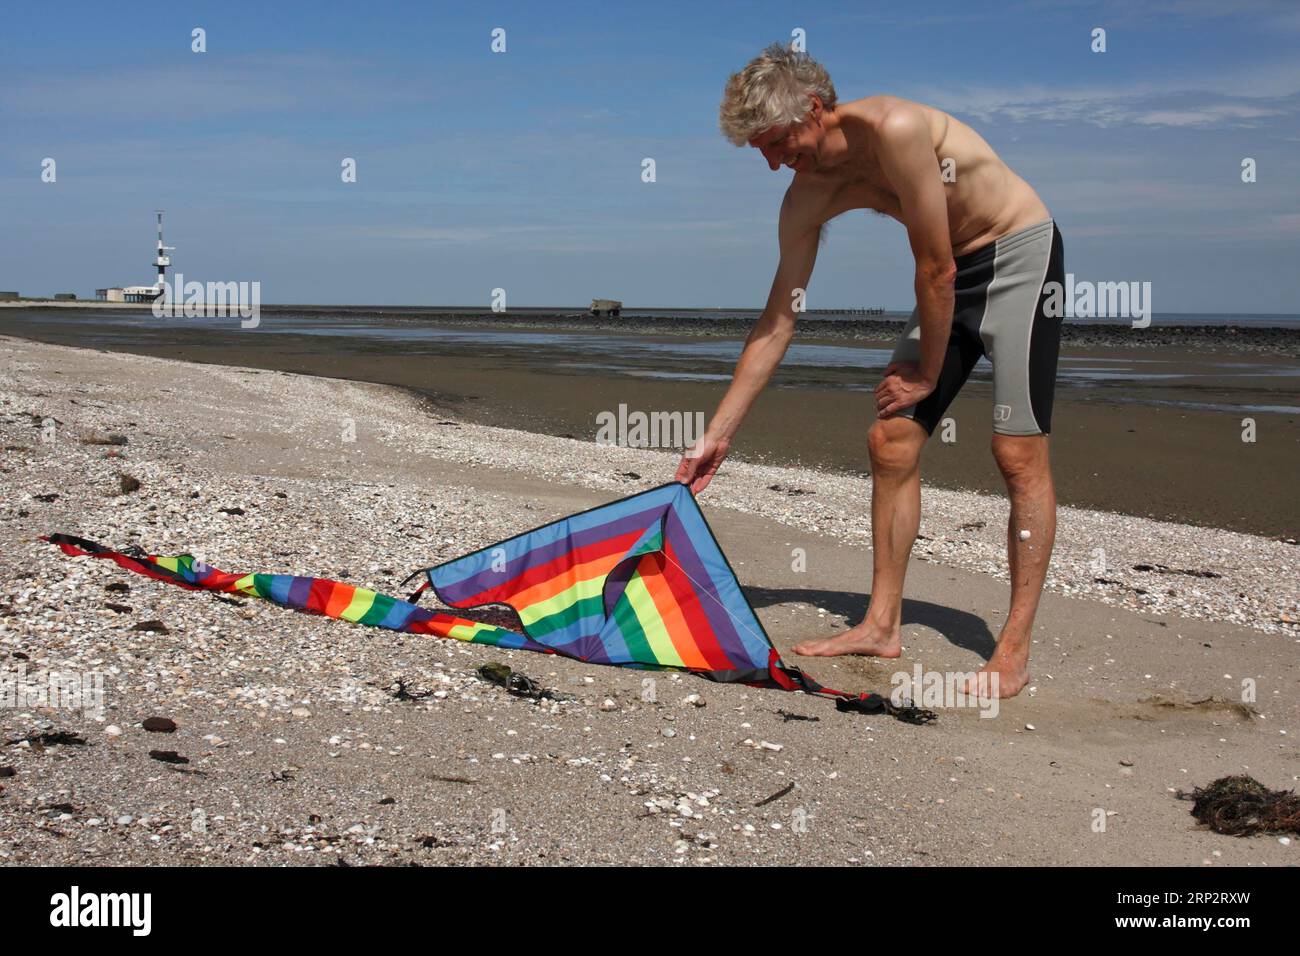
(232, 511)
(100, 438)
(117, 587)
(400, 690)
(119, 608)
(629, 474)
(517, 684)
(168, 756)
(47, 498)
(159, 725)
(1242, 806)
(790, 491)
(1164, 569)
(972, 526)
(776, 796)
(155, 626)
(787, 716)
(39, 740)
(8, 772)
(127, 484)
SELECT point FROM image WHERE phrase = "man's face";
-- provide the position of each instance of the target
(794, 146)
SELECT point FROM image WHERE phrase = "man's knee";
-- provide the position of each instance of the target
(1021, 459)
(895, 444)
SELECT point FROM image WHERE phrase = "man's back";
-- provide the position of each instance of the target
(985, 198)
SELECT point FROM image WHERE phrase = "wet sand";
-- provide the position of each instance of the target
(1110, 452)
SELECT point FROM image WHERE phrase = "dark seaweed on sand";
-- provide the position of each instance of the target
(1242, 806)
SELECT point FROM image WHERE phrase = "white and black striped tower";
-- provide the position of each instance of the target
(162, 261)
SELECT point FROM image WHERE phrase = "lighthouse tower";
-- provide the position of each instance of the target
(162, 260)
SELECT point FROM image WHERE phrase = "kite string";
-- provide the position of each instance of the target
(700, 587)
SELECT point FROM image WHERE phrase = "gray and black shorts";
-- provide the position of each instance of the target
(999, 313)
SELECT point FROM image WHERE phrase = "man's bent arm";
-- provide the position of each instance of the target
(771, 334)
(908, 161)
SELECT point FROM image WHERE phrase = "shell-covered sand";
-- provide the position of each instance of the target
(301, 750)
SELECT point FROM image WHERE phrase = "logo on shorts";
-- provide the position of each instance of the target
(1002, 413)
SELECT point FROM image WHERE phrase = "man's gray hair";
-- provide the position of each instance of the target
(772, 90)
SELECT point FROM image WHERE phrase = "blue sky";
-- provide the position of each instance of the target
(522, 170)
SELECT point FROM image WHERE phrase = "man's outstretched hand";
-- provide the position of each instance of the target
(701, 462)
(901, 388)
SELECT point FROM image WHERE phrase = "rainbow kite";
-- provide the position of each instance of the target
(640, 582)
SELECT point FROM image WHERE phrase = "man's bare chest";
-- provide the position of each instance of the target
(861, 191)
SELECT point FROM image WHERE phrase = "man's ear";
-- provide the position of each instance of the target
(815, 110)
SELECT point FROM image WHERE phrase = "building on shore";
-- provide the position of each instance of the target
(603, 307)
(143, 293)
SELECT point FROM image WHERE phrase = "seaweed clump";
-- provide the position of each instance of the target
(1242, 806)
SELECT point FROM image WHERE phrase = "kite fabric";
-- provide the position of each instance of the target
(640, 582)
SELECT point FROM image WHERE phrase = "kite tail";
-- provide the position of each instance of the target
(791, 678)
(138, 561)
(310, 595)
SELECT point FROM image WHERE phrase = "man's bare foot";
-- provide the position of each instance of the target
(1003, 676)
(866, 638)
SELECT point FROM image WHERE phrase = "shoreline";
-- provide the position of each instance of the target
(1246, 337)
(1141, 457)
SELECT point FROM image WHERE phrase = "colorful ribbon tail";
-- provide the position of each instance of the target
(75, 547)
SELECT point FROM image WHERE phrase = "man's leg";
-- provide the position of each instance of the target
(1024, 462)
(895, 445)
(1023, 342)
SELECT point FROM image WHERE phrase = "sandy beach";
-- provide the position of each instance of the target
(301, 751)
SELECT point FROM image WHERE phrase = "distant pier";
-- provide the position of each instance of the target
(880, 311)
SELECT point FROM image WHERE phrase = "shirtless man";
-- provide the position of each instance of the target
(984, 246)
